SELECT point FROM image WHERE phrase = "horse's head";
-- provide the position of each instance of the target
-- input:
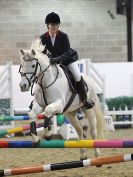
(29, 69)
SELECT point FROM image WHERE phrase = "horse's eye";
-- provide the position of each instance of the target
(33, 66)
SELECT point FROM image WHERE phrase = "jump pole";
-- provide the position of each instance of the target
(18, 118)
(18, 129)
(68, 144)
(14, 118)
(67, 165)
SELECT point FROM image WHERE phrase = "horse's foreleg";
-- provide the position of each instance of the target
(36, 109)
(54, 108)
(50, 110)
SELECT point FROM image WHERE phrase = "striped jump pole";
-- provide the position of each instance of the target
(68, 144)
(18, 118)
(14, 118)
(18, 129)
(67, 165)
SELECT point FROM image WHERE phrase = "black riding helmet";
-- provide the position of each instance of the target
(52, 18)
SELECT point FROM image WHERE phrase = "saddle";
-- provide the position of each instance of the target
(70, 78)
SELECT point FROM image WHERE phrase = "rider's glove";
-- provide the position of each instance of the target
(54, 61)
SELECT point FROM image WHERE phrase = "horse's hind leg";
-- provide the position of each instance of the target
(85, 125)
(36, 109)
(78, 127)
(93, 128)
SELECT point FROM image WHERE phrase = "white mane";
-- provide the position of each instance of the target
(37, 45)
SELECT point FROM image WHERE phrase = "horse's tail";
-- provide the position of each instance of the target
(100, 119)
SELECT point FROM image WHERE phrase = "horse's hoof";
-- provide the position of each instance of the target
(35, 138)
(36, 144)
(109, 167)
(48, 138)
(84, 158)
(98, 166)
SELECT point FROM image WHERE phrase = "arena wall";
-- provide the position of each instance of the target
(92, 31)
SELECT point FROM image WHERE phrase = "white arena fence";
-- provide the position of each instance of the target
(123, 112)
(6, 95)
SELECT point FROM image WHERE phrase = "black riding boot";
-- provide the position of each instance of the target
(88, 104)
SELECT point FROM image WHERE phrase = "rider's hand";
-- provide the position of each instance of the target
(54, 61)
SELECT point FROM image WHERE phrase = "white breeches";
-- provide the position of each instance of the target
(75, 71)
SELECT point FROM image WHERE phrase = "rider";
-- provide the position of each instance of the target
(58, 45)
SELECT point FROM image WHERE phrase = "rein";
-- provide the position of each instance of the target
(36, 79)
(40, 84)
(44, 73)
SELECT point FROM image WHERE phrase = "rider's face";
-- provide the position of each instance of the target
(53, 28)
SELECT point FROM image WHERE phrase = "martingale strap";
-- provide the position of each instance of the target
(70, 101)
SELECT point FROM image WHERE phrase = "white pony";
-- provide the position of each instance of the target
(52, 93)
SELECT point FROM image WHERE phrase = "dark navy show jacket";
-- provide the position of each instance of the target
(61, 44)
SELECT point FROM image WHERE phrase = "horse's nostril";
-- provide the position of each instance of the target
(24, 85)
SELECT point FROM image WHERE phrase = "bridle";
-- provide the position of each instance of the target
(35, 79)
(33, 74)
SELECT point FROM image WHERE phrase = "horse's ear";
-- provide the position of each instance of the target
(22, 52)
(33, 52)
